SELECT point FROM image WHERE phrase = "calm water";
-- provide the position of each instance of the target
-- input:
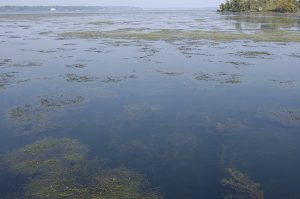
(178, 112)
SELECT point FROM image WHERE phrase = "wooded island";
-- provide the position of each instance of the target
(282, 6)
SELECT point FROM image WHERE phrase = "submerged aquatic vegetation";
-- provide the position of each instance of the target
(47, 155)
(297, 55)
(238, 63)
(230, 125)
(37, 118)
(134, 112)
(222, 77)
(76, 66)
(113, 79)
(6, 79)
(285, 83)
(58, 168)
(286, 116)
(241, 186)
(170, 73)
(71, 77)
(253, 54)
(178, 35)
(26, 64)
(4, 62)
(47, 51)
(57, 102)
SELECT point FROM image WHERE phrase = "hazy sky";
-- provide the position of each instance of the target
(140, 3)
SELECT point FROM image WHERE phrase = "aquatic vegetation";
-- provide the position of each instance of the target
(230, 125)
(57, 102)
(285, 116)
(47, 51)
(101, 23)
(76, 66)
(27, 64)
(169, 73)
(178, 35)
(36, 117)
(47, 155)
(221, 77)
(241, 186)
(58, 168)
(7, 79)
(238, 63)
(253, 54)
(113, 79)
(134, 112)
(71, 77)
(286, 83)
(4, 62)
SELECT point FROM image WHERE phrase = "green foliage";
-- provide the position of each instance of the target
(260, 5)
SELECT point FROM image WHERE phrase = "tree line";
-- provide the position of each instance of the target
(260, 6)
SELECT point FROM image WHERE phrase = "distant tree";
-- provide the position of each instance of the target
(260, 5)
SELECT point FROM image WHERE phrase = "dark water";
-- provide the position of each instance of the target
(178, 112)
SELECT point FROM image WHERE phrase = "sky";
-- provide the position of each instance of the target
(139, 3)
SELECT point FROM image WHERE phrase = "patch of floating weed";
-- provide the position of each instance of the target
(287, 83)
(97, 50)
(175, 35)
(7, 78)
(56, 102)
(148, 52)
(76, 66)
(4, 62)
(253, 54)
(102, 23)
(223, 78)
(58, 168)
(71, 77)
(45, 33)
(170, 73)
(191, 49)
(47, 51)
(27, 64)
(66, 49)
(241, 186)
(236, 63)
(114, 79)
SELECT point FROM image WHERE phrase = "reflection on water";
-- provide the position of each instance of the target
(149, 104)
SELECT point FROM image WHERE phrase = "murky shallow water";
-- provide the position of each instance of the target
(180, 111)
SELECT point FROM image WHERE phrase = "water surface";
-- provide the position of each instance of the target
(140, 94)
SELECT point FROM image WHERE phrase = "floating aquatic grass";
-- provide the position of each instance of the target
(223, 78)
(253, 54)
(76, 66)
(71, 77)
(175, 35)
